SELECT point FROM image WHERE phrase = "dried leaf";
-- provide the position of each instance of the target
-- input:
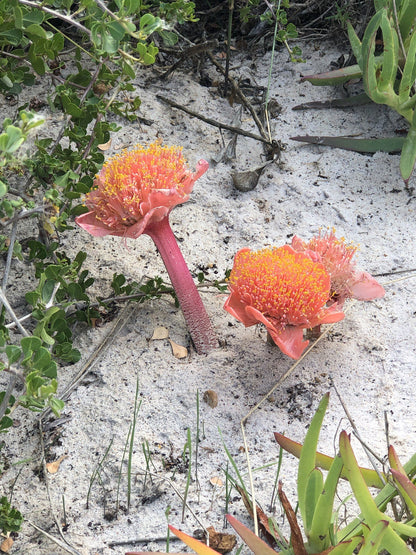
(105, 146)
(210, 398)
(247, 180)
(178, 350)
(261, 517)
(160, 333)
(53, 467)
(296, 537)
(6, 545)
(222, 543)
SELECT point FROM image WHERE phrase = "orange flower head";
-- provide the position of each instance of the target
(336, 255)
(137, 188)
(283, 289)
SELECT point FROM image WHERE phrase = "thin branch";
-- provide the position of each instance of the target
(61, 544)
(370, 454)
(9, 258)
(267, 140)
(119, 323)
(56, 14)
(21, 215)
(12, 314)
(216, 123)
(10, 387)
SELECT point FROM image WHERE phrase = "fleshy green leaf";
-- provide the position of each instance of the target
(355, 44)
(371, 477)
(307, 459)
(389, 144)
(314, 488)
(407, 489)
(408, 156)
(392, 542)
(336, 77)
(374, 538)
(318, 536)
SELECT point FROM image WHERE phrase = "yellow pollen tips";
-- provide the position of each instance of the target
(144, 168)
(281, 283)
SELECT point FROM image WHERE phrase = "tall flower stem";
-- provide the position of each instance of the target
(194, 312)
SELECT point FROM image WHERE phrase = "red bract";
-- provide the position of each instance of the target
(336, 256)
(283, 289)
(134, 194)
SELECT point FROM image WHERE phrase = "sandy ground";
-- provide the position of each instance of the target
(370, 355)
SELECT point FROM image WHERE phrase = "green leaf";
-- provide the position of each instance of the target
(314, 488)
(369, 63)
(13, 353)
(18, 17)
(406, 16)
(169, 37)
(408, 156)
(56, 405)
(389, 144)
(3, 188)
(409, 71)
(374, 538)
(36, 30)
(71, 108)
(47, 290)
(325, 462)
(38, 63)
(5, 423)
(307, 460)
(336, 77)
(355, 44)
(389, 70)
(12, 36)
(392, 542)
(30, 344)
(319, 537)
(11, 139)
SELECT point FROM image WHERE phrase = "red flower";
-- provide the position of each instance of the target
(134, 194)
(336, 255)
(283, 289)
(137, 188)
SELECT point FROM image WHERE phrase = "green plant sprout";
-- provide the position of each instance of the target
(371, 533)
(388, 77)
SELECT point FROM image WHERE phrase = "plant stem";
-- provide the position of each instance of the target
(194, 312)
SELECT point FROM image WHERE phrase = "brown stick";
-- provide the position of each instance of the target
(243, 99)
(210, 121)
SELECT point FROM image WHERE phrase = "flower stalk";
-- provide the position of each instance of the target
(196, 317)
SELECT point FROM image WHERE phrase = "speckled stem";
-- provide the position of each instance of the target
(196, 316)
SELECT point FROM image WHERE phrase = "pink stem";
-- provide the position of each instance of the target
(196, 316)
